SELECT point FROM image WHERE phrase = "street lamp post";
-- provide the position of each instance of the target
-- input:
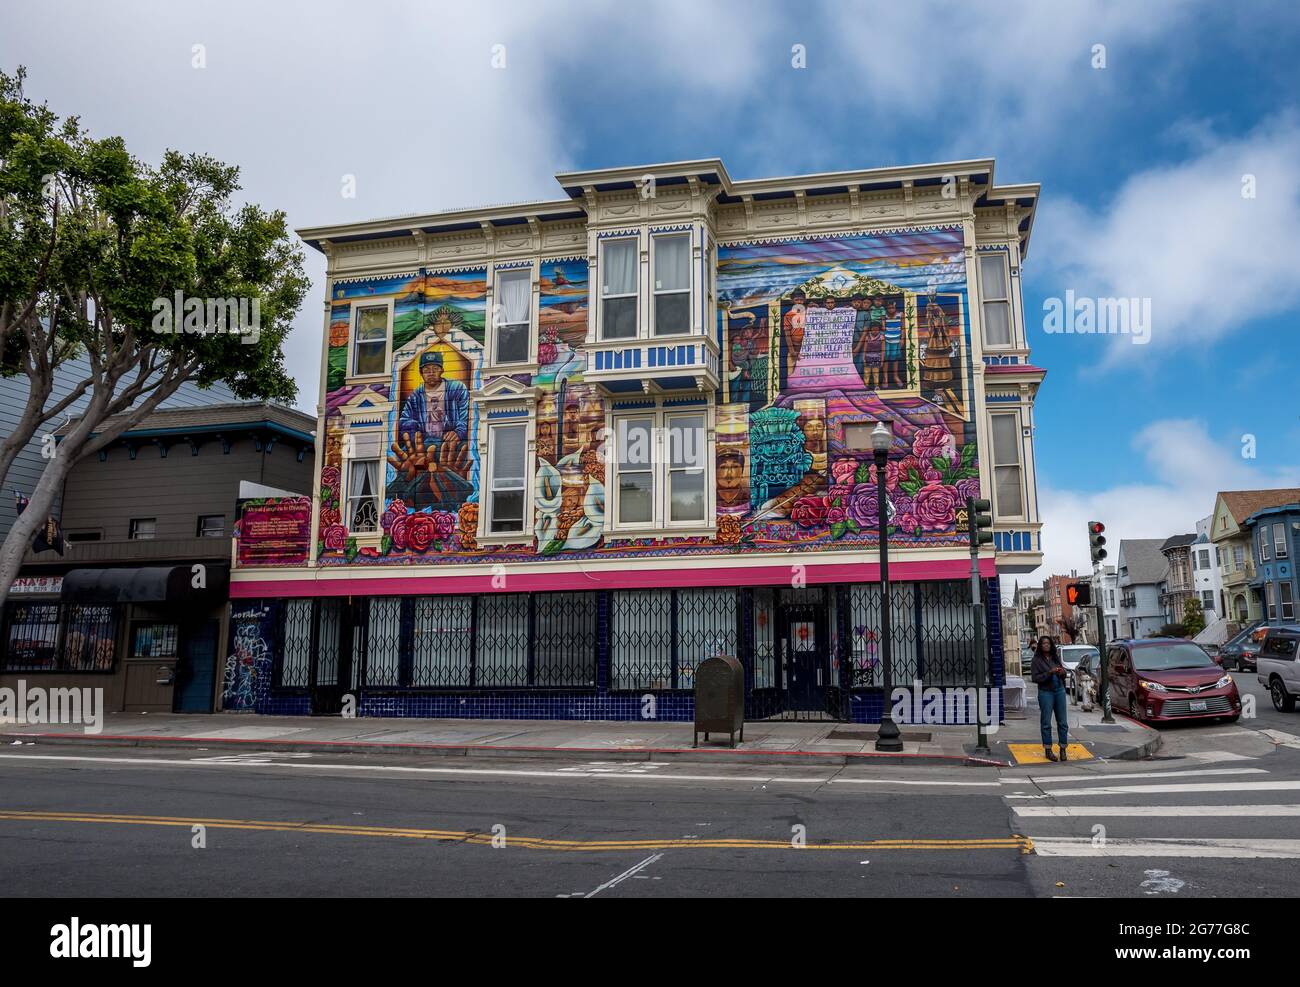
(888, 739)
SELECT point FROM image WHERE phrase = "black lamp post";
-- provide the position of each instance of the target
(888, 739)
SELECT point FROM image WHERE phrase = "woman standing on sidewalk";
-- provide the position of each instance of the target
(1049, 672)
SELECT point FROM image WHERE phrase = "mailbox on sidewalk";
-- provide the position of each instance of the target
(719, 698)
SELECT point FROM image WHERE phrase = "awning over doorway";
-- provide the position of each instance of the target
(150, 584)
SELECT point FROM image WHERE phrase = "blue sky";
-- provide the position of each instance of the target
(1141, 163)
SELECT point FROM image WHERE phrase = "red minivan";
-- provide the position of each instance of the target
(1161, 679)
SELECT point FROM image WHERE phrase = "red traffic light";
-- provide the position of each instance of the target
(1095, 527)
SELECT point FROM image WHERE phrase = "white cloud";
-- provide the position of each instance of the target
(1187, 468)
(1184, 236)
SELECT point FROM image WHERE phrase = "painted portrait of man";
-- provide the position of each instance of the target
(430, 452)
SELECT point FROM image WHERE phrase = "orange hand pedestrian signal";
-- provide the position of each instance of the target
(1078, 594)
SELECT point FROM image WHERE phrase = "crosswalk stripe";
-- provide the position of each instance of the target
(1084, 846)
(1053, 779)
(1091, 811)
(1221, 787)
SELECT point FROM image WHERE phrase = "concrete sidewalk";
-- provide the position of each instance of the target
(765, 741)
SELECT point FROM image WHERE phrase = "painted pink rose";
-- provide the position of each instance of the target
(809, 512)
(934, 440)
(329, 477)
(444, 525)
(935, 506)
(842, 471)
(329, 516)
(420, 532)
(840, 493)
(836, 515)
(891, 474)
(546, 354)
(398, 531)
(907, 522)
(336, 538)
(922, 467)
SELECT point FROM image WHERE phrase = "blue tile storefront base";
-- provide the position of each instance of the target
(258, 634)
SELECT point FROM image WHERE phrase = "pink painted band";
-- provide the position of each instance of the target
(766, 575)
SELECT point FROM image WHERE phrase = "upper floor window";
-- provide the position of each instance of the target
(370, 340)
(1288, 603)
(512, 317)
(1279, 540)
(363, 496)
(143, 527)
(1007, 486)
(211, 526)
(1238, 556)
(1204, 553)
(671, 259)
(507, 478)
(660, 463)
(1264, 541)
(996, 293)
(618, 288)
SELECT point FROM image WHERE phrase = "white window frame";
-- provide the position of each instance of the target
(670, 469)
(987, 299)
(349, 496)
(1279, 540)
(489, 486)
(516, 405)
(656, 292)
(1265, 543)
(635, 294)
(660, 469)
(354, 321)
(1019, 464)
(529, 363)
(1270, 601)
(1286, 601)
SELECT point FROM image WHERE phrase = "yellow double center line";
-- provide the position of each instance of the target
(1021, 843)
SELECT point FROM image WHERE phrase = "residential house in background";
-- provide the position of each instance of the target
(569, 449)
(1105, 593)
(1236, 552)
(1178, 586)
(1206, 579)
(1140, 569)
(29, 464)
(137, 603)
(1274, 534)
(1062, 618)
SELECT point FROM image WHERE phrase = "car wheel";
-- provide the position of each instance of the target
(1283, 701)
(1133, 710)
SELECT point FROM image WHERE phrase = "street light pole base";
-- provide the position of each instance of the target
(889, 740)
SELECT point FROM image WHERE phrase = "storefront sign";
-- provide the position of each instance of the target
(274, 531)
(37, 584)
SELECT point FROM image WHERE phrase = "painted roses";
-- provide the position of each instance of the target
(935, 506)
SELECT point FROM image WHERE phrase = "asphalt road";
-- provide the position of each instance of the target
(1215, 815)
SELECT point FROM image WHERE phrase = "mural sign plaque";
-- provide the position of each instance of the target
(274, 531)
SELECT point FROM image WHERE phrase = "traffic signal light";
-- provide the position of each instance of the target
(1096, 541)
(1078, 594)
(981, 520)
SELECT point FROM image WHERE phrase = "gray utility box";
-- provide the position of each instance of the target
(720, 698)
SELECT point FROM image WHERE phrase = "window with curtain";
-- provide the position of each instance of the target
(1008, 494)
(507, 448)
(370, 340)
(672, 284)
(686, 493)
(363, 496)
(997, 305)
(510, 317)
(634, 438)
(618, 289)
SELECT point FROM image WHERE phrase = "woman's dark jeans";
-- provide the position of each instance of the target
(1053, 699)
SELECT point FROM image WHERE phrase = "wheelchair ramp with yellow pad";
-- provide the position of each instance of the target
(1033, 753)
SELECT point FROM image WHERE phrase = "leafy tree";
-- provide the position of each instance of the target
(1193, 617)
(92, 243)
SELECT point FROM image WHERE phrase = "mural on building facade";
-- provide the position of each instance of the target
(816, 336)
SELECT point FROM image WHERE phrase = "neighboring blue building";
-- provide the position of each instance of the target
(1275, 541)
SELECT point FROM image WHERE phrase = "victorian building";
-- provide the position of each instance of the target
(568, 449)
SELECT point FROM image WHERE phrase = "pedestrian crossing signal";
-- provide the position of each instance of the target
(1078, 594)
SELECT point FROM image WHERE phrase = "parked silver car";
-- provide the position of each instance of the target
(1279, 666)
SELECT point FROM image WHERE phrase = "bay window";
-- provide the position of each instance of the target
(1288, 603)
(996, 299)
(671, 258)
(1008, 489)
(1279, 540)
(618, 288)
(661, 461)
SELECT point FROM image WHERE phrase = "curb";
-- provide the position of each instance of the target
(660, 754)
